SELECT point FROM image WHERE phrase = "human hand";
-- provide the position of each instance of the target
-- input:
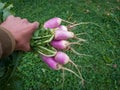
(22, 31)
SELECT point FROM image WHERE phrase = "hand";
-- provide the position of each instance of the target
(22, 31)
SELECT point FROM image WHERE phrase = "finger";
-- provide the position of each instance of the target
(24, 20)
(26, 47)
(34, 25)
(18, 18)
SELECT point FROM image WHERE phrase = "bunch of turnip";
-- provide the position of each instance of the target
(52, 40)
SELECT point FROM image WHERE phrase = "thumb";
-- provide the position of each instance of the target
(26, 47)
(34, 26)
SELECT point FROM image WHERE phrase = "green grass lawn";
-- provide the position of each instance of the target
(101, 71)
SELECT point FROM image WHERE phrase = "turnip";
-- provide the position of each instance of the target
(67, 28)
(56, 35)
(56, 21)
(63, 35)
(62, 58)
(66, 45)
(62, 44)
(62, 27)
(53, 23)
(59, 44)
(50, 61)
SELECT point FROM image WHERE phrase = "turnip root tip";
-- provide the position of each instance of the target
(77, 53)
(82, 23)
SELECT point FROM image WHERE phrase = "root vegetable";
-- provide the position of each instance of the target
(51, 62)
(62, 58)
(62, 44)
(62, 27)
(63, 35)
(53, 23)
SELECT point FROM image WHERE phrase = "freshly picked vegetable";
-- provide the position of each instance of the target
(52, 39)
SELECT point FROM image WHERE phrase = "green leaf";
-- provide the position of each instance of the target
(47, 50)
(7, 11)
(36, 33)
(42, 35)
(2, 5)
(41, 40)
(1, 11)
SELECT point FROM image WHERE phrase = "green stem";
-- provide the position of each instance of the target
(41, 37)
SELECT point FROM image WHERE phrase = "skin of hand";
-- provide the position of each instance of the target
(22, 31)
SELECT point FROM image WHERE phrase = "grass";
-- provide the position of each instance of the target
(101, 71)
